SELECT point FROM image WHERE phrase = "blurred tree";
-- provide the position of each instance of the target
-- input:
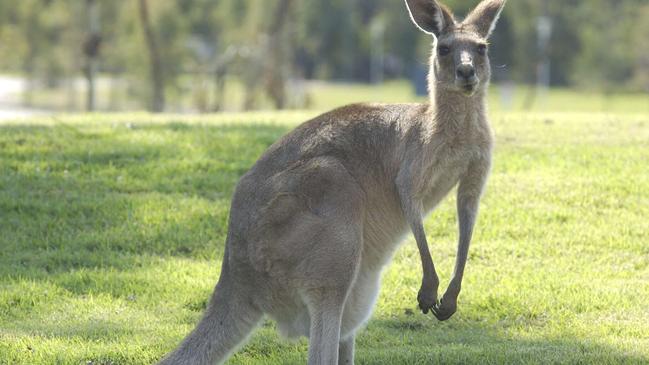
(29, 39)
(157, 76)
(91, 46)
(600, 60)
(640, 40)
(265, 45)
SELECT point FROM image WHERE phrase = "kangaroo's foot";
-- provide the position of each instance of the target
(427, 296)
(447, 306)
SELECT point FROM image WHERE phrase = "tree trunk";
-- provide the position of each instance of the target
(91, 50)
(278, 67)
(157, 75)
(219, 89)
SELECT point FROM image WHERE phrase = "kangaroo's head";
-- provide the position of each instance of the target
(459, 61)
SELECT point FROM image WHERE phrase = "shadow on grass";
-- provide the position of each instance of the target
(415, 340)
(108, 199)
(418, 340)
(59, 189)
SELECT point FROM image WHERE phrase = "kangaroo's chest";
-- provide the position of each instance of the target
(443, 173)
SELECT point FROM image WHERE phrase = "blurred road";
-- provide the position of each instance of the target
(11, 88)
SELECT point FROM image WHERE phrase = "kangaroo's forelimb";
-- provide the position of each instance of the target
(468, 199)
(413, 211)
(427, 296)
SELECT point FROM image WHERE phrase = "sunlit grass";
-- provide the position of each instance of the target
(112, 230)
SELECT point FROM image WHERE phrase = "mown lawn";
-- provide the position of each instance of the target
(112, 230)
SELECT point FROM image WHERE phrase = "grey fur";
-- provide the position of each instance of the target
(485, 16)
(317, 218)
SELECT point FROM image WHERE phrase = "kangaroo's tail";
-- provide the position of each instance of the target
(228, 320)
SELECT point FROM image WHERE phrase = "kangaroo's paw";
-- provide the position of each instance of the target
(427, 298)
(446, 307)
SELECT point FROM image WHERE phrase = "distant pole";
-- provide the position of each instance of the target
(544, 31)
(91, 50)
(377, 31)
(542, 61)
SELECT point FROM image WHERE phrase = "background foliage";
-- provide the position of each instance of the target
(596, 44)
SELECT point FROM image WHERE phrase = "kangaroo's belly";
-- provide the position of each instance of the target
(384, 229)
(293, 320)
(360, 301)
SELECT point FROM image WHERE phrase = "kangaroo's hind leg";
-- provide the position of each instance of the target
(331, 272)
(325, 309)
(325, 298)
(346, 351)
(311, 235)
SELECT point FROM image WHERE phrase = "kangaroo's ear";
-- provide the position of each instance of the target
(484, 17)
(430, 16)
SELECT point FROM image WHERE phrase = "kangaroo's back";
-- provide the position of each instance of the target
(362, 136)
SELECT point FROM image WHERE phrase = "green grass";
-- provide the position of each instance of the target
(112, 230)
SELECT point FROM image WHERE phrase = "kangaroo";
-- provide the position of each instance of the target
(320, 214)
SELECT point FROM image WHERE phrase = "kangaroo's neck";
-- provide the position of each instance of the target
(452, 110)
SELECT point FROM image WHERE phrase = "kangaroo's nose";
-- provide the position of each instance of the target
(465, 71)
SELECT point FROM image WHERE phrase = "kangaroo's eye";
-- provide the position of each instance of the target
(443, 50)
(482, 49)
